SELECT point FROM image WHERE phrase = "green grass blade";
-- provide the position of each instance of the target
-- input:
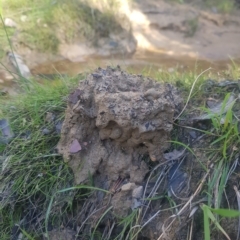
(26, 234)
(206, 223)
(230, 213)
(82, 187)
(214, 220)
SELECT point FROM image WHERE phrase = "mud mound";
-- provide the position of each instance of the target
(115, 123)
(113, 119)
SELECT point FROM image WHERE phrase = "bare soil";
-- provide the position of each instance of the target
(185, 30)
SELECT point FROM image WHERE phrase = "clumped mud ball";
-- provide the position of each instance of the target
(113, 119)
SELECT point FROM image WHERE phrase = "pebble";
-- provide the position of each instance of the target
(128, 186)
(8, 22)
(137, 192)
(75, 146)
(23, 18)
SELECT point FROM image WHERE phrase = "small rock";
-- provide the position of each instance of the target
(75, 146)
(136, 204)
(8, 22)
(137, 192)
(46, 131)
(58, 127)
(193, 134)
(23, 18)
(153, 157)
(128, 186)
(8, 76)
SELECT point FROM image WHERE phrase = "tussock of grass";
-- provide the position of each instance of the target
(33, 172)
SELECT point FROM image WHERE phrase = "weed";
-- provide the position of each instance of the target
(225, 127)
(233, 71)
(208, 214)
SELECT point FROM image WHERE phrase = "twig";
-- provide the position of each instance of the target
(156, 186)
(150, 219)
(191, 230)
(186, 205)
(191, 92)
(141, 227)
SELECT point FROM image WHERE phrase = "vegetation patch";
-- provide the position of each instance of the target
(47, 23)
(31, 170)
(191, 190)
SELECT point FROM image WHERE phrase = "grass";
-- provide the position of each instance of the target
(209, 215)
(43, 25)
(33, 172)
(224, 140)
(37, 184)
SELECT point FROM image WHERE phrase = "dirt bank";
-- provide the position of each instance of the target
(162, 34)
(185, 30)
(168, 28)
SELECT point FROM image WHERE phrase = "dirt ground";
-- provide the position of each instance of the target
(185, 30)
